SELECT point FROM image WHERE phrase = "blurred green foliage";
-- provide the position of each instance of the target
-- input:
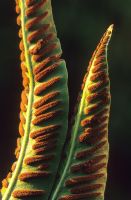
(80, 25)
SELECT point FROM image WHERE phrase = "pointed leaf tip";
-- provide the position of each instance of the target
(108, 33)
(111, 27)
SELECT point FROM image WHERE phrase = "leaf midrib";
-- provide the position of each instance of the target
(29, 108)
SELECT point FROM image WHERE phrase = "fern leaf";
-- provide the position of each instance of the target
(44, 104)
(84, 172)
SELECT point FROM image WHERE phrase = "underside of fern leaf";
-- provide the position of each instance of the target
(44, 105)
(83, 173)
(44, 114)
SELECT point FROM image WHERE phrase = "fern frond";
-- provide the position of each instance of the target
(84, 172)
(44, 104)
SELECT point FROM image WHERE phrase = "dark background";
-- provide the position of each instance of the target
(80, 25)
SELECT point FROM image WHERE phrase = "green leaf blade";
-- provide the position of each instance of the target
(84, 172)
(44, 106)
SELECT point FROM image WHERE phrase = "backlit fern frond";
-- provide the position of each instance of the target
(84, 172)
(44, 104)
